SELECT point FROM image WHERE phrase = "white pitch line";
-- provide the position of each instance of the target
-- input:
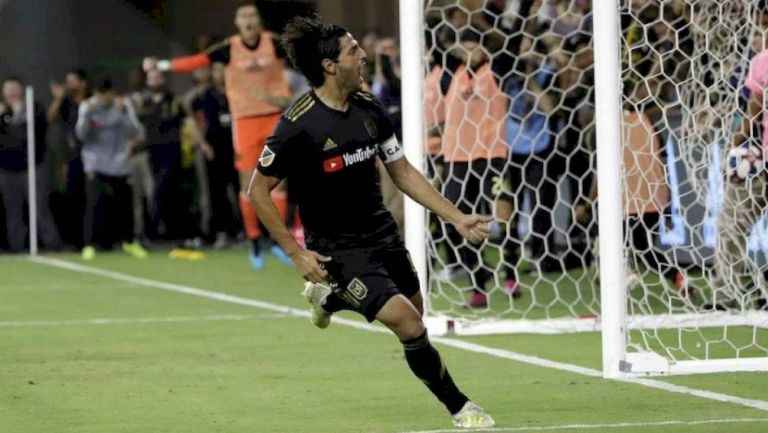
(599, 426)
(130, 320)
(459, 344)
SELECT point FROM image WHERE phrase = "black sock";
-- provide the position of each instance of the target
(510, 260)
(255, 246)
(426, 364)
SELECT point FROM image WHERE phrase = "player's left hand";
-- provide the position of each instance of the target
(474, 228)
(309, 264)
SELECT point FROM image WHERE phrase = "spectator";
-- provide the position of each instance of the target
(474, 146)
(201, 152)
(646, 198)
(64, 109)
(161, 114)
(142, 179)
(386, 81)
(434, 120)
(386, 87)
(571, 160)
(107, 126)
(216, 120)
(14, 184)
(531, 128)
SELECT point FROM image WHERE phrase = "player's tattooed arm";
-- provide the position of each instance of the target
(308, 263)
(472, 227)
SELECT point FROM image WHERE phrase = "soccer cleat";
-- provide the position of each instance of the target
(281, 255)
(476, 300)
(472, 416)
(88, 253)
(256, 259)
(316, 294)
(135, 249)
(221, 242)
(512, 288)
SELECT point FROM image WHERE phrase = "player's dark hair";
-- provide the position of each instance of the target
(105, 85)
(79, 73)
(307, 41)
(14, 79)
(245, 3)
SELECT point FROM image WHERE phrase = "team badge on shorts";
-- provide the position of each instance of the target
(357, 289)
(267, 157)
(370, 126)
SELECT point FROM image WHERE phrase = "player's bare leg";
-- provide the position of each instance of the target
(404, 319)
(418, 303)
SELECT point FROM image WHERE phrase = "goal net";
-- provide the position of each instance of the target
(509, 129)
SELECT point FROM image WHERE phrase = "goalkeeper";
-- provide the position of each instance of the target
(326, 145)
(257, 91)
(744, 198)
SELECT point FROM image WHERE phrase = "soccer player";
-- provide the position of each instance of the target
(257, 91)
(326, 147)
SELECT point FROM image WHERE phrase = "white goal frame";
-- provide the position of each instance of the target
(614, 322)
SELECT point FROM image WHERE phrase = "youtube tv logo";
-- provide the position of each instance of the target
(333, 165)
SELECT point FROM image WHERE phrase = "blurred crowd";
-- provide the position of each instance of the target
(138, 166)
(509, 111)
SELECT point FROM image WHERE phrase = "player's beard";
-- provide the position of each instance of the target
(351, 78)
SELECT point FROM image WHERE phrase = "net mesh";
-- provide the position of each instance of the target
(509, 114)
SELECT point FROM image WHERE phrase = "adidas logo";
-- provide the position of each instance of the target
(329, 144)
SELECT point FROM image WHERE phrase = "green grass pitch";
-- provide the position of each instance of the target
(168, 362)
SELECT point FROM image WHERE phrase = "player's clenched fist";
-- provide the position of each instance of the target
(309, 264)
(474, 228)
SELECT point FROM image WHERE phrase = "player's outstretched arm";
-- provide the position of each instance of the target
(180, 64)
(218, 53)
(308, 263)
(472, 227)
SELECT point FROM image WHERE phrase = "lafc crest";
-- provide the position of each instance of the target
(267, 157)
(357, 289)
(370, 126)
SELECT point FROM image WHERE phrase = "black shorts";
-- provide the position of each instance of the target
(363, 279)
(473, 186)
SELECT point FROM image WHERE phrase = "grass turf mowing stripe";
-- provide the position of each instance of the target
(459, 344)
(601, 426)
(137, 320)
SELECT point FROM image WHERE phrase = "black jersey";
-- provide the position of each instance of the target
(329, 160)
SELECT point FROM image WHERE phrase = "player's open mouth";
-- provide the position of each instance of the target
(360, 70)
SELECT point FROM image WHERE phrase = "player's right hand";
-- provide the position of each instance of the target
(309, 264)
(149, 64)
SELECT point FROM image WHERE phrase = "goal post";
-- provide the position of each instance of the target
(613, 295)
(628, 96)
